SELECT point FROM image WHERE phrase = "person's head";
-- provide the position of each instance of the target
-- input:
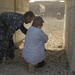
(38, 22)
(29, 16)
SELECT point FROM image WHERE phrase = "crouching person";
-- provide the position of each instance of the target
(34, 50)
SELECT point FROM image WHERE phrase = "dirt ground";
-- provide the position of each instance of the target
(56, 60)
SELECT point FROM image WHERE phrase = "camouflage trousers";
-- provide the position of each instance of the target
(7, 52)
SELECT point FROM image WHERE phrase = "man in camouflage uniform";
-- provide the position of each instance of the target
(9, 23)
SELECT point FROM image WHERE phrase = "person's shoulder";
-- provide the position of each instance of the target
(41, 31)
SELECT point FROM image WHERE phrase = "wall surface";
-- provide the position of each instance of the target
(21, 6)
(48, 8)
(70, 33)
(6, 5)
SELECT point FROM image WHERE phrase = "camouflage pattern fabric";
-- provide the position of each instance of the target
(9, 23)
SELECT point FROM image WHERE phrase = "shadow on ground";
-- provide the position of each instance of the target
(55, 64)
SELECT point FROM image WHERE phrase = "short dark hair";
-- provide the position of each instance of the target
(39, 19)
(29, 13)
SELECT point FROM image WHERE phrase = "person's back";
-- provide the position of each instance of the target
(11, 18)
(35, 39)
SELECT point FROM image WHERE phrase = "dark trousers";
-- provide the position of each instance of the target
(7, 52)
(10, 50)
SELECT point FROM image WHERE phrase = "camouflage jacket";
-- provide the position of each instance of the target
(13, 22)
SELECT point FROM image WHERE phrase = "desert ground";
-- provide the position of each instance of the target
(56, 60)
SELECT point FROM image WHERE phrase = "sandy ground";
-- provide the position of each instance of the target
(56, 60)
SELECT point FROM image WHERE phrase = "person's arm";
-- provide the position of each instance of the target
(23, 29)
(13, 28)
(44, 36)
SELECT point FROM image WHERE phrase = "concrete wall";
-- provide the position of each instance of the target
(70, 33)
(20, 6)
(6, 5)
(51, 8)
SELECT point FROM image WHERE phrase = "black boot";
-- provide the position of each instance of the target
(40, 64)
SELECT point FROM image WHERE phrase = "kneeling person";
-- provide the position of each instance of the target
(34, 50)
